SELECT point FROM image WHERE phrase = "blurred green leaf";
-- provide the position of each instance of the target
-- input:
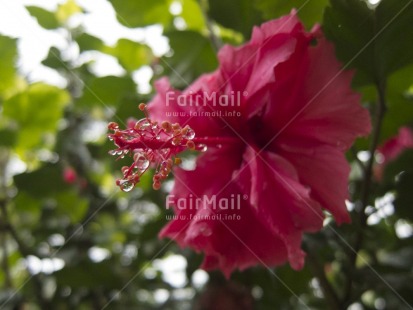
(28, 208)
(66, 10)
(240, 15)
(192, 14)
(192, 56)
(8, 55)
(375, 41)
(107, 91)
(54, 60)
(42, 182)
(399, 104)
(41, 105)
(89, 275)
(131, 55)
(310, 12)
(37, 111)
(45, 18)
(8, 137)
(88, 42)
(142, 13)
(400, 173)
(70, 204)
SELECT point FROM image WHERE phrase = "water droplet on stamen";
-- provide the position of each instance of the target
(126, 186)
(141, 161)
(113, 152)
(143, 124)
(201, 147)
(190, 134)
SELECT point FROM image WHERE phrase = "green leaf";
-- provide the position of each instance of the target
(37, 111)
(240, 15)
(399, 105)
(8, 55)
(88, 42)
(66, 10)
(192, 56)
(28, 208)
(43, 182)
(8, 137)
(375, 41)
(310, 12)
(192, 14)
(404, 195)
(69, 203)
(89, 275)
(45, 18)
(54, 60)
(107, 91)
(131, 55)
(142, 13)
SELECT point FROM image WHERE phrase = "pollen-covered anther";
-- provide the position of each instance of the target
(177, 161)
(190, 145)
(167, 126)
(156, 185)
(113, 126)
(124, 169)
(142, 106)
(177, 140)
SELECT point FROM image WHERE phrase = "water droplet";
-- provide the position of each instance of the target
(113, 152)
(190, 134)
(141, 161)
(119, 152)
(143, 124)
(201, 147)
(126, 186)
(110, 138)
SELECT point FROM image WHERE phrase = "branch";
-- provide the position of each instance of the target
(317, 269)
(8, 283)
(366, 186)
(358, 161)
(216, 42)
(24, 251)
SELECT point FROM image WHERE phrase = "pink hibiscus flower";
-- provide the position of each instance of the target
(392, 148)
(277, 117)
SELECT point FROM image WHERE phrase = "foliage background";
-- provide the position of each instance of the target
(86, 245)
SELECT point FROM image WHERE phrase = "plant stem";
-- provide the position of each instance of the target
(366, 187)
(24, 251)
(216, 42)
(329, 293)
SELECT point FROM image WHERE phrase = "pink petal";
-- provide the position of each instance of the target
(325, 170)
(227, 244)
(316, 103)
